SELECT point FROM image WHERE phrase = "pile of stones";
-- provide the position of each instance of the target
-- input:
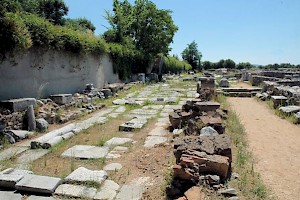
(202, 149)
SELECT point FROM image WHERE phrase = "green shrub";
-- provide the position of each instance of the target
(172, 64)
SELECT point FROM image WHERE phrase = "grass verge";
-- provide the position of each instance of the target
(249, 182)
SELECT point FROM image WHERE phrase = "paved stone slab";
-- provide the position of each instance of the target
(75, 191)
(9, 181)
(108, 191)
(86, 152)
(120, 148)
(113, 115)
(134, 190)
(38, 184)
(11, 152)
(134, 124)
(32, 155)
(113, 155)
(117, 141)
(10, 195)
(81, 175)
(113, 167)
(33, 197)
(151, 141)
(121, 109)
(158, 131)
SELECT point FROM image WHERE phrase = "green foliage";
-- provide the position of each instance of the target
(80, 24)
(192, 55)
(14, 34)
(21, 30)
(172, 64)
(53, 10)
(142, 29)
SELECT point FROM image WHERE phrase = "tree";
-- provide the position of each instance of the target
(148, 29)
(53, 10)
(81, 24)
(229, 64)
(192, 55)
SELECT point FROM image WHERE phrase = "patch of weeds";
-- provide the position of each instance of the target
(168, 179)
(147, 102)
(92, 184)
(101, 141)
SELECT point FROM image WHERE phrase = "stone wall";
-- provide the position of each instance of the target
(39, 73)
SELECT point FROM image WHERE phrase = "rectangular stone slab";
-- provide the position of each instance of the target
(17, 105)
(38, 184)
(86, 152)
(11, 152)
(9, 181)
(207, 106)
(75, 191)
(81, 175)
(61, 98)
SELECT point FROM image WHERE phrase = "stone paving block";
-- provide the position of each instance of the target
(76, 191)
(117, 141)
(113, 167)
(17, 105)
(32, 155)
(113, 155)
(11, 152)
(9, 181)
(20, 172)
(133, 190)
(86, 152)
(33, 197)
(132, 125)
(38, 184)
(121, 109)
(151, 141)
(120, 148)
(10, 195)
(158, 131)
(81, 175)
(108, 191)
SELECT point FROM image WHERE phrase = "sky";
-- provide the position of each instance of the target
(256, 31)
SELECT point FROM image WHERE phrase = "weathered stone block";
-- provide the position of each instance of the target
(17, 105)
(81, 175)
(61, 98)
(76, 191)
(38, 184)
(207, 106)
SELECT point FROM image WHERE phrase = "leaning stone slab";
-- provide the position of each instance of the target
(38, 184)
(10, 195)
(86, 152)
(17, 105)
(81, 175)
(76, 191)
(9, 181)
(20, 134)
(11, 152)
(117, 141)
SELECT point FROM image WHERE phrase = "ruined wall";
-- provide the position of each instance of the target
(40, 73)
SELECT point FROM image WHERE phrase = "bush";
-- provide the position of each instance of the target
(14, 35)
(172, 64)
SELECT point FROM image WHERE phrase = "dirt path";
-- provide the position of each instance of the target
(275, 144)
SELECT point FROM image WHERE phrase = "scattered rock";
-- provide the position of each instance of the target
(42, 124)
(195, 193)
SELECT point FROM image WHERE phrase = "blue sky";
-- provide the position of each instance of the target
(257, 31)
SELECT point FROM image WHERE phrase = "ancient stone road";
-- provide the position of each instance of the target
(275, 145)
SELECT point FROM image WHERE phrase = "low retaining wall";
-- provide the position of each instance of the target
(39, 73)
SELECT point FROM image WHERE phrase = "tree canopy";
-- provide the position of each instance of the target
(192, 55)
(141, 26)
